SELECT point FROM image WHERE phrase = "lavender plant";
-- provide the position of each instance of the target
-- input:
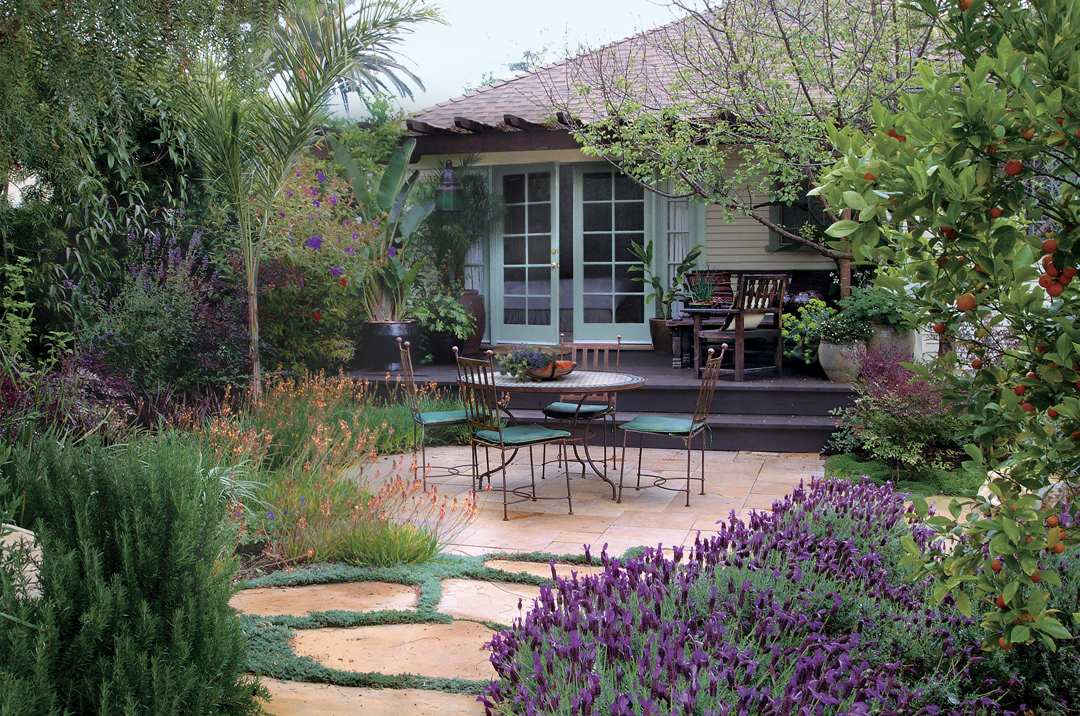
(800, 610)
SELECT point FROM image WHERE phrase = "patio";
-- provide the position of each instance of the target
(735, 481)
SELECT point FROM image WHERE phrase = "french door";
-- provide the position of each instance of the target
(526, 267)
(611, 213)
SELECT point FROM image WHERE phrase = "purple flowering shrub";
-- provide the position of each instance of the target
(172, 324)
(798, 611)
(899, 419)
(309, 311)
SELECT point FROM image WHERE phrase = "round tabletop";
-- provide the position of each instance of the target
(580, 381)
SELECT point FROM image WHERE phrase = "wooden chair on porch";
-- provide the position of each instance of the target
(758, 312)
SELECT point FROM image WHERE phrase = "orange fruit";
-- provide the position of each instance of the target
(1049, 246)
(869, 177)
(940, 328)
(1052, 521)
(977, 363)
(1000, 602)
(1058, 548)
(1015, 166)
(1054, 290)
(995, 565)
(966, 302)
(1020, 389)
(996, 213)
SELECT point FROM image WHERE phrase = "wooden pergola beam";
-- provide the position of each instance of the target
(517, 122)
(472, 125)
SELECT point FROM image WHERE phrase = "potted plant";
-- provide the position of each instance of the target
(802, 330)
(842, 346)
(890, 316)
(444, 321)
(664, 296)
(445, 238)
(700, 287)
(385, 280)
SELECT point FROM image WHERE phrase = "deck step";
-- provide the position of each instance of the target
(758, 433)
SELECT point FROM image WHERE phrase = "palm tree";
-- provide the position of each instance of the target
(248, 142)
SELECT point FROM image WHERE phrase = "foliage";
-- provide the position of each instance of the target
(314, 444)
(249, 142)
(664, 296)
(733, 101)
(901, 420)
(171, 324)
(135, 580)
(844, 328)
(700, 286)
(317, 243)
(439, 311)
(876, 305)
(812, 589)
(445, 237)
(984, 176)
(388, 269)
(927, 482)
(523, 358)
(802, 331)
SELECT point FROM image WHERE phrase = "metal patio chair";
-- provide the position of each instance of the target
(680, 428)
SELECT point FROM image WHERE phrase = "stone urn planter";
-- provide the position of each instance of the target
(889, 340)
(379, 342)
(841, 361)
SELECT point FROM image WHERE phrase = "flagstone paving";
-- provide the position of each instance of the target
(735, 482)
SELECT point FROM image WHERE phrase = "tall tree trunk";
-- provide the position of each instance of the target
(253, 340)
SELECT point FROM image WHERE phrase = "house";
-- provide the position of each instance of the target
(560, 261)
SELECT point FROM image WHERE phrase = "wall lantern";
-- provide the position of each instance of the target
(448, 195)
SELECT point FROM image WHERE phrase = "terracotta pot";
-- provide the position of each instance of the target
(889, 340)
(473, 301)
(379, 343)
(841, 361)
(660, 332)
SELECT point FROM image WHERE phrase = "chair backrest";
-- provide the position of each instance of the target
(761, 293)
(411, 394)
(708, 385)
(476, 382)
(593, 356)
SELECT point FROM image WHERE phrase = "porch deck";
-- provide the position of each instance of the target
(789, 413)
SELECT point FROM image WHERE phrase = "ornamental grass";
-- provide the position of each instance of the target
(801, 610)
(314, 444)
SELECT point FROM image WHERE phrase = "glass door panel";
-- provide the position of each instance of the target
(527, 260)
(610, 215)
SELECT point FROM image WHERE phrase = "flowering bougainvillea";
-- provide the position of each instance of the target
(801, 610)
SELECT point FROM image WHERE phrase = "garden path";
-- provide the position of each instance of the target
(734, 481)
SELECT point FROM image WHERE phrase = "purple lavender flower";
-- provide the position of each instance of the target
(288, 192)
(320, 176)
(317, 203)
(335, 271)
(315, 242)
(333, 200)
(269, 514)
(314, 191)
(354, 236)
(345, 222)
(350, 250)
(392, 252)
(299, 174)
(281, 214)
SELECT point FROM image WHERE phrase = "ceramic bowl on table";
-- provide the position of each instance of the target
(554, 371)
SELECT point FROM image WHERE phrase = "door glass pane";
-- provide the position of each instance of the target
(540, 249)
(624, 243)
(597, 187)
(596, 217)
(514, 281)
(596, 247)
(539, 311)
(630, 216)
(539, 187)
(540, 218)
(514, 222)
(540, 281)
(597, 278)
(626, 188)
(596, 309)
(630, 309)
(514, 189)
(514, 310)
(513, 249)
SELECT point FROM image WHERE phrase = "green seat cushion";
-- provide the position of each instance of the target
(522, 434)
(567, 411)
(443, 417)
(659, 425)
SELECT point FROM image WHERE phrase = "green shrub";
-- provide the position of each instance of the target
(802, 332)
(930, 481)
(135, 577)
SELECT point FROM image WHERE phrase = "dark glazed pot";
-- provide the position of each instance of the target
(660, 332)
(473, 301)
(379, 343)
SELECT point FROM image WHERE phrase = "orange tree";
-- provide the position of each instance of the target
(967, 197)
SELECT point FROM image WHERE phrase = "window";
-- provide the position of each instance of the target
(794, 217)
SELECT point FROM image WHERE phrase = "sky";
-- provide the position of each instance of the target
(482, 36)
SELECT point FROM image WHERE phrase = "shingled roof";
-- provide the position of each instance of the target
(545, 99)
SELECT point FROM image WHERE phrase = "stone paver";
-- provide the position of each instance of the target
(10, 537)
(489, 601)
(301, 601)
(454, 650)
(289, 698)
